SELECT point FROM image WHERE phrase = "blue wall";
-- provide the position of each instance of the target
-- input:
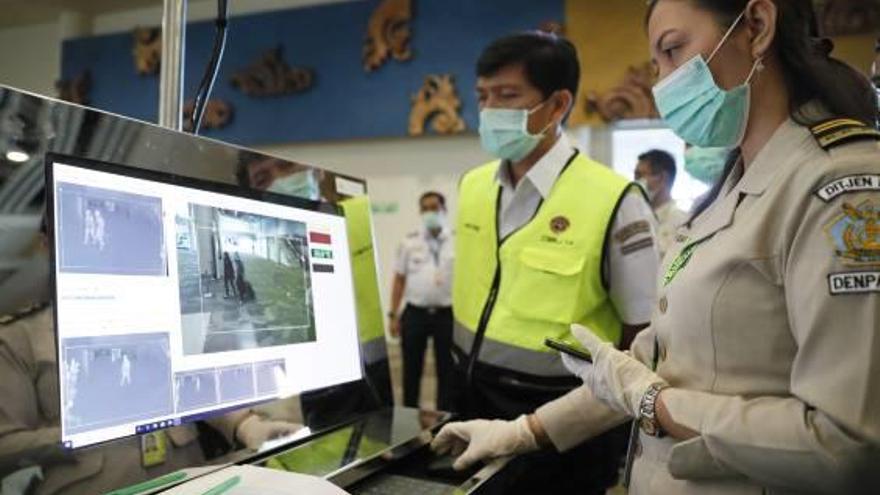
(345, 102)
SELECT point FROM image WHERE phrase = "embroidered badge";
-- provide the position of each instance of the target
(680, 261)
(633, 229)
(635, 246)
(853, 283)
(849, 184)
(559, 224)
(855, 234)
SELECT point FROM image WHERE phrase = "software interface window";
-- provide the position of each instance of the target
(174, 302)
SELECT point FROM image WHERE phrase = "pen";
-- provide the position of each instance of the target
(151, 484)
(222, 487)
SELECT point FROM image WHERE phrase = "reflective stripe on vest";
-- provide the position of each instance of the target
(371, 328)
(550, 272)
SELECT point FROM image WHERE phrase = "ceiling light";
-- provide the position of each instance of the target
(17, 156)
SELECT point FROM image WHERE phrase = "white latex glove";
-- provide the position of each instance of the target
(575, 366)
(253, 431)
(616, 378)
(474, 441)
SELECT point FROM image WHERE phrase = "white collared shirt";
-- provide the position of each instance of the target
(669, 219)
(631, 253)
(426, 262)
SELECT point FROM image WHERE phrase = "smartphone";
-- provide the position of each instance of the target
(568, 349)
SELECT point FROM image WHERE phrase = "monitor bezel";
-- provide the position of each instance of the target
(168, 178)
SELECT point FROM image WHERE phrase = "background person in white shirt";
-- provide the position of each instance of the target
(423, 278)
(656, 173)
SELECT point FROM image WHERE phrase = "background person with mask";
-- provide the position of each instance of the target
(759, 371)
(655, 172)
(423, 278)
(545, 237)
(265, 173)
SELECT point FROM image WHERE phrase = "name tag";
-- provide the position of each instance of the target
(853, 183)
(854, 283)
(154, 448)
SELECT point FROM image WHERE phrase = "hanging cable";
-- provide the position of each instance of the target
(203, 93)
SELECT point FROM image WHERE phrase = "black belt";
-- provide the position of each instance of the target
(431, 310)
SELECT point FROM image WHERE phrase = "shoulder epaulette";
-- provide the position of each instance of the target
(22, 313)
(834, 132)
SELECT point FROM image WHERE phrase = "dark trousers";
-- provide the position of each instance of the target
(417, 326)
(227, 283)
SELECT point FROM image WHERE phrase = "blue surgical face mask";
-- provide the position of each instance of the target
(697, 109)
(302, 184)
(705, 164)
(504, 133)
(433, 220)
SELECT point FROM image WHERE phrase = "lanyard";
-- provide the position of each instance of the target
(681, 261)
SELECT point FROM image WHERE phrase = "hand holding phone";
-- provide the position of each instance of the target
(568, 349)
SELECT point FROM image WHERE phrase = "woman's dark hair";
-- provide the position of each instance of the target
(810, 72)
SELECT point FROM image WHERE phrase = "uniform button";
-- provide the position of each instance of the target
(663, 305)
(638, 449)
(681, 238)
(662, 352)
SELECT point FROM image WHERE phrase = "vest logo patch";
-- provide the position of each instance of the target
(855, 234)
(853, 283)
(559, 224)
(849, 184)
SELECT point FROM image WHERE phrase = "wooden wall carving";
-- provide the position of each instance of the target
(147, 50)
(271, 76)
(388, 34)
(843, 17)
(75, 90)
(218, 114)
(552, 27)
(438, 102)
(631, 99)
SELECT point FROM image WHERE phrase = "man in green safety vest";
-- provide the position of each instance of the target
(546, 237)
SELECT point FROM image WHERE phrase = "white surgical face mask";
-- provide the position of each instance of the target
(433, 220)
(644, 183)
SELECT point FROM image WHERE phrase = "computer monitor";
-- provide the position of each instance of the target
(177, 299)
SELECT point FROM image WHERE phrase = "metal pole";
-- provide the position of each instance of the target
(171, 69)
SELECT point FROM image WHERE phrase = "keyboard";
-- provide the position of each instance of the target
(392, 484)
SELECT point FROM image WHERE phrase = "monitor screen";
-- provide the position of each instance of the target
(177, 299)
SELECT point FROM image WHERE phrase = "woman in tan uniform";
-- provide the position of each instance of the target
(760, 372)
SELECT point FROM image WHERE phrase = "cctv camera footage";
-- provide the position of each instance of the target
(244, 281)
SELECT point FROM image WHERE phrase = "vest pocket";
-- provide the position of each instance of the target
(546, 284)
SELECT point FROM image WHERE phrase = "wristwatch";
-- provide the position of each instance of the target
(648, 411)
